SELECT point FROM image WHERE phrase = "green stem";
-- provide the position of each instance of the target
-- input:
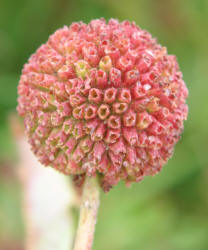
(88, 215)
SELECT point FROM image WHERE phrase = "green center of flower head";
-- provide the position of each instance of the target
(81, 68)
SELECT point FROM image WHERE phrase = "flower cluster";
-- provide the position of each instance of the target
(103, 98)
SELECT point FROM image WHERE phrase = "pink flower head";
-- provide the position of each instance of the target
(103, 98)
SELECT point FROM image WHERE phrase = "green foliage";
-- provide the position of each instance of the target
(168, 211)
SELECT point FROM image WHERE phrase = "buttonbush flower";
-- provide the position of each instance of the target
(103, 98)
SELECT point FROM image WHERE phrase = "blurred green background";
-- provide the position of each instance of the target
(168, 211)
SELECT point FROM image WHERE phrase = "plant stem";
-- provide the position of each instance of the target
(88, 214)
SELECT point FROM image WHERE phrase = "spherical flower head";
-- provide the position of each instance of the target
(103, 98)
